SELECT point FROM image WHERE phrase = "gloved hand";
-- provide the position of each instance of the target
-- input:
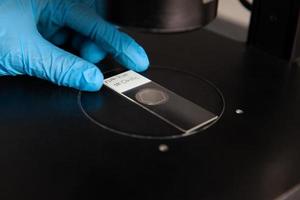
(29, 30)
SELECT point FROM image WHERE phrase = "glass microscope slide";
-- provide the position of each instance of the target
(177, 111)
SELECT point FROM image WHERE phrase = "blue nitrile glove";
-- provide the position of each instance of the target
(29, 30)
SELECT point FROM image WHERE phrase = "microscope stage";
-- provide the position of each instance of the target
(50, 150)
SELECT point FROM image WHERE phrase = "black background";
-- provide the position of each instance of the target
(50, 150)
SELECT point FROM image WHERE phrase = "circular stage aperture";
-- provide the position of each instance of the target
(113, 112)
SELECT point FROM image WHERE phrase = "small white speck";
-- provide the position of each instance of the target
(239, 111)
(163, 148)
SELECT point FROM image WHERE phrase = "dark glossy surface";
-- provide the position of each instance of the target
(160, 15)
(49, 150)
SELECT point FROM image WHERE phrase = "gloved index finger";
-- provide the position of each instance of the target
(126, 51)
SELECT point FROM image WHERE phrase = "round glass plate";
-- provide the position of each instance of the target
(117, 114)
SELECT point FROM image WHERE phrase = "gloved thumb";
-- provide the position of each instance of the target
(46, 61)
